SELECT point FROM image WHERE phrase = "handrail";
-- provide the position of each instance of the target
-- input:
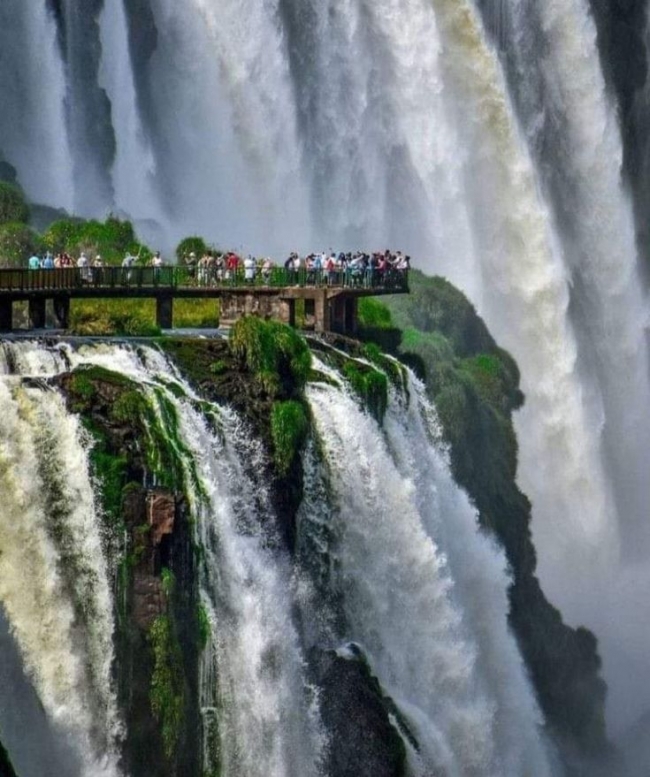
(179, 277)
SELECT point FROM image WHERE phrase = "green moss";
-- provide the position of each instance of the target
(370, 385)
(111, 473)
(218, 367)
(289, 428)
(276, 354)
(167, 580)
(167, 693)
(203, 623)
(129, 407)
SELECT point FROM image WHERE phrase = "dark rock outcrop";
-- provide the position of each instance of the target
(363, 742)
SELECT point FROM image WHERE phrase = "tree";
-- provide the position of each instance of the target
(17, 243)
(13, 207)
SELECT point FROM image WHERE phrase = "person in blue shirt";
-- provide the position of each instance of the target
(34, 262)
(48, 262)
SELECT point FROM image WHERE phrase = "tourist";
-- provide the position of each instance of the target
(202, 271)
(34, 262)
(267, 266)
(48, 262)
(127, 267)
(84, 267)
(250, 267)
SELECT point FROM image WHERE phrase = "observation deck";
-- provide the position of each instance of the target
(328, 299)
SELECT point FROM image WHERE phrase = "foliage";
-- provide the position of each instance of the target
(13, 207)
(112, 239)
(289, 428)
(129, 407)
(373, 314)
(196, 313)
(132, 318)
(203, 622)
(275, 353)
(17, 241)
(370, 385)
(167, 693)
(193, 244)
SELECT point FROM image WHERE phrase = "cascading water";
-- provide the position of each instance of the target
(54, 587)
(424, 593)
(32, 93)
(309, 124)
(404, 532)
(134, 164)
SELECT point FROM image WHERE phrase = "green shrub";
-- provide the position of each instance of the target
(374, 314)
(13, 207)
(289, 428)
(193, 244)
(275, 353)
(370, 385)
(17, 243)
(112, 239)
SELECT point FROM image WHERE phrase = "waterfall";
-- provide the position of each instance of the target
(134, 167)
(477, 135)
(424, 591)
(54, 587)
(32, 92)
(572, 128)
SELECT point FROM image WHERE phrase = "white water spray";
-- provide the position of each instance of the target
(434, 626)
(54, 586)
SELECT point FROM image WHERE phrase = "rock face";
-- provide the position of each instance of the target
(355, 713)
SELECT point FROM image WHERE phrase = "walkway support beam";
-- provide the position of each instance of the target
(36, 308)
(165, 312)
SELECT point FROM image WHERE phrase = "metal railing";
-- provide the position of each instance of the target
(178, 277)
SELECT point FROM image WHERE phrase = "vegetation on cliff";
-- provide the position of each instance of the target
(159, 635)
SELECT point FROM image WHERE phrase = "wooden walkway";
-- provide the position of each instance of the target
(330, 299)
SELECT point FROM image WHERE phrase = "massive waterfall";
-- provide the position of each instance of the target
(423, 591)
(478, 135)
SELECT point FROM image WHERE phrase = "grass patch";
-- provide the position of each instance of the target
(128, 317)
(196, 313)
(289, 428)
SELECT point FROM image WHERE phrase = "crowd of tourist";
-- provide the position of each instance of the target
(349, 269)
(214, 268)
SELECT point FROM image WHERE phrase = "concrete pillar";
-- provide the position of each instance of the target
(6, 318)
(61, 306)
(322, 312)
(37, 313)
(165, 312)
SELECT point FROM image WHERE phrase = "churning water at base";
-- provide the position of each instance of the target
(424, 592)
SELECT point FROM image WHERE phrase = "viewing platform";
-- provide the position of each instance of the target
(330, 299)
